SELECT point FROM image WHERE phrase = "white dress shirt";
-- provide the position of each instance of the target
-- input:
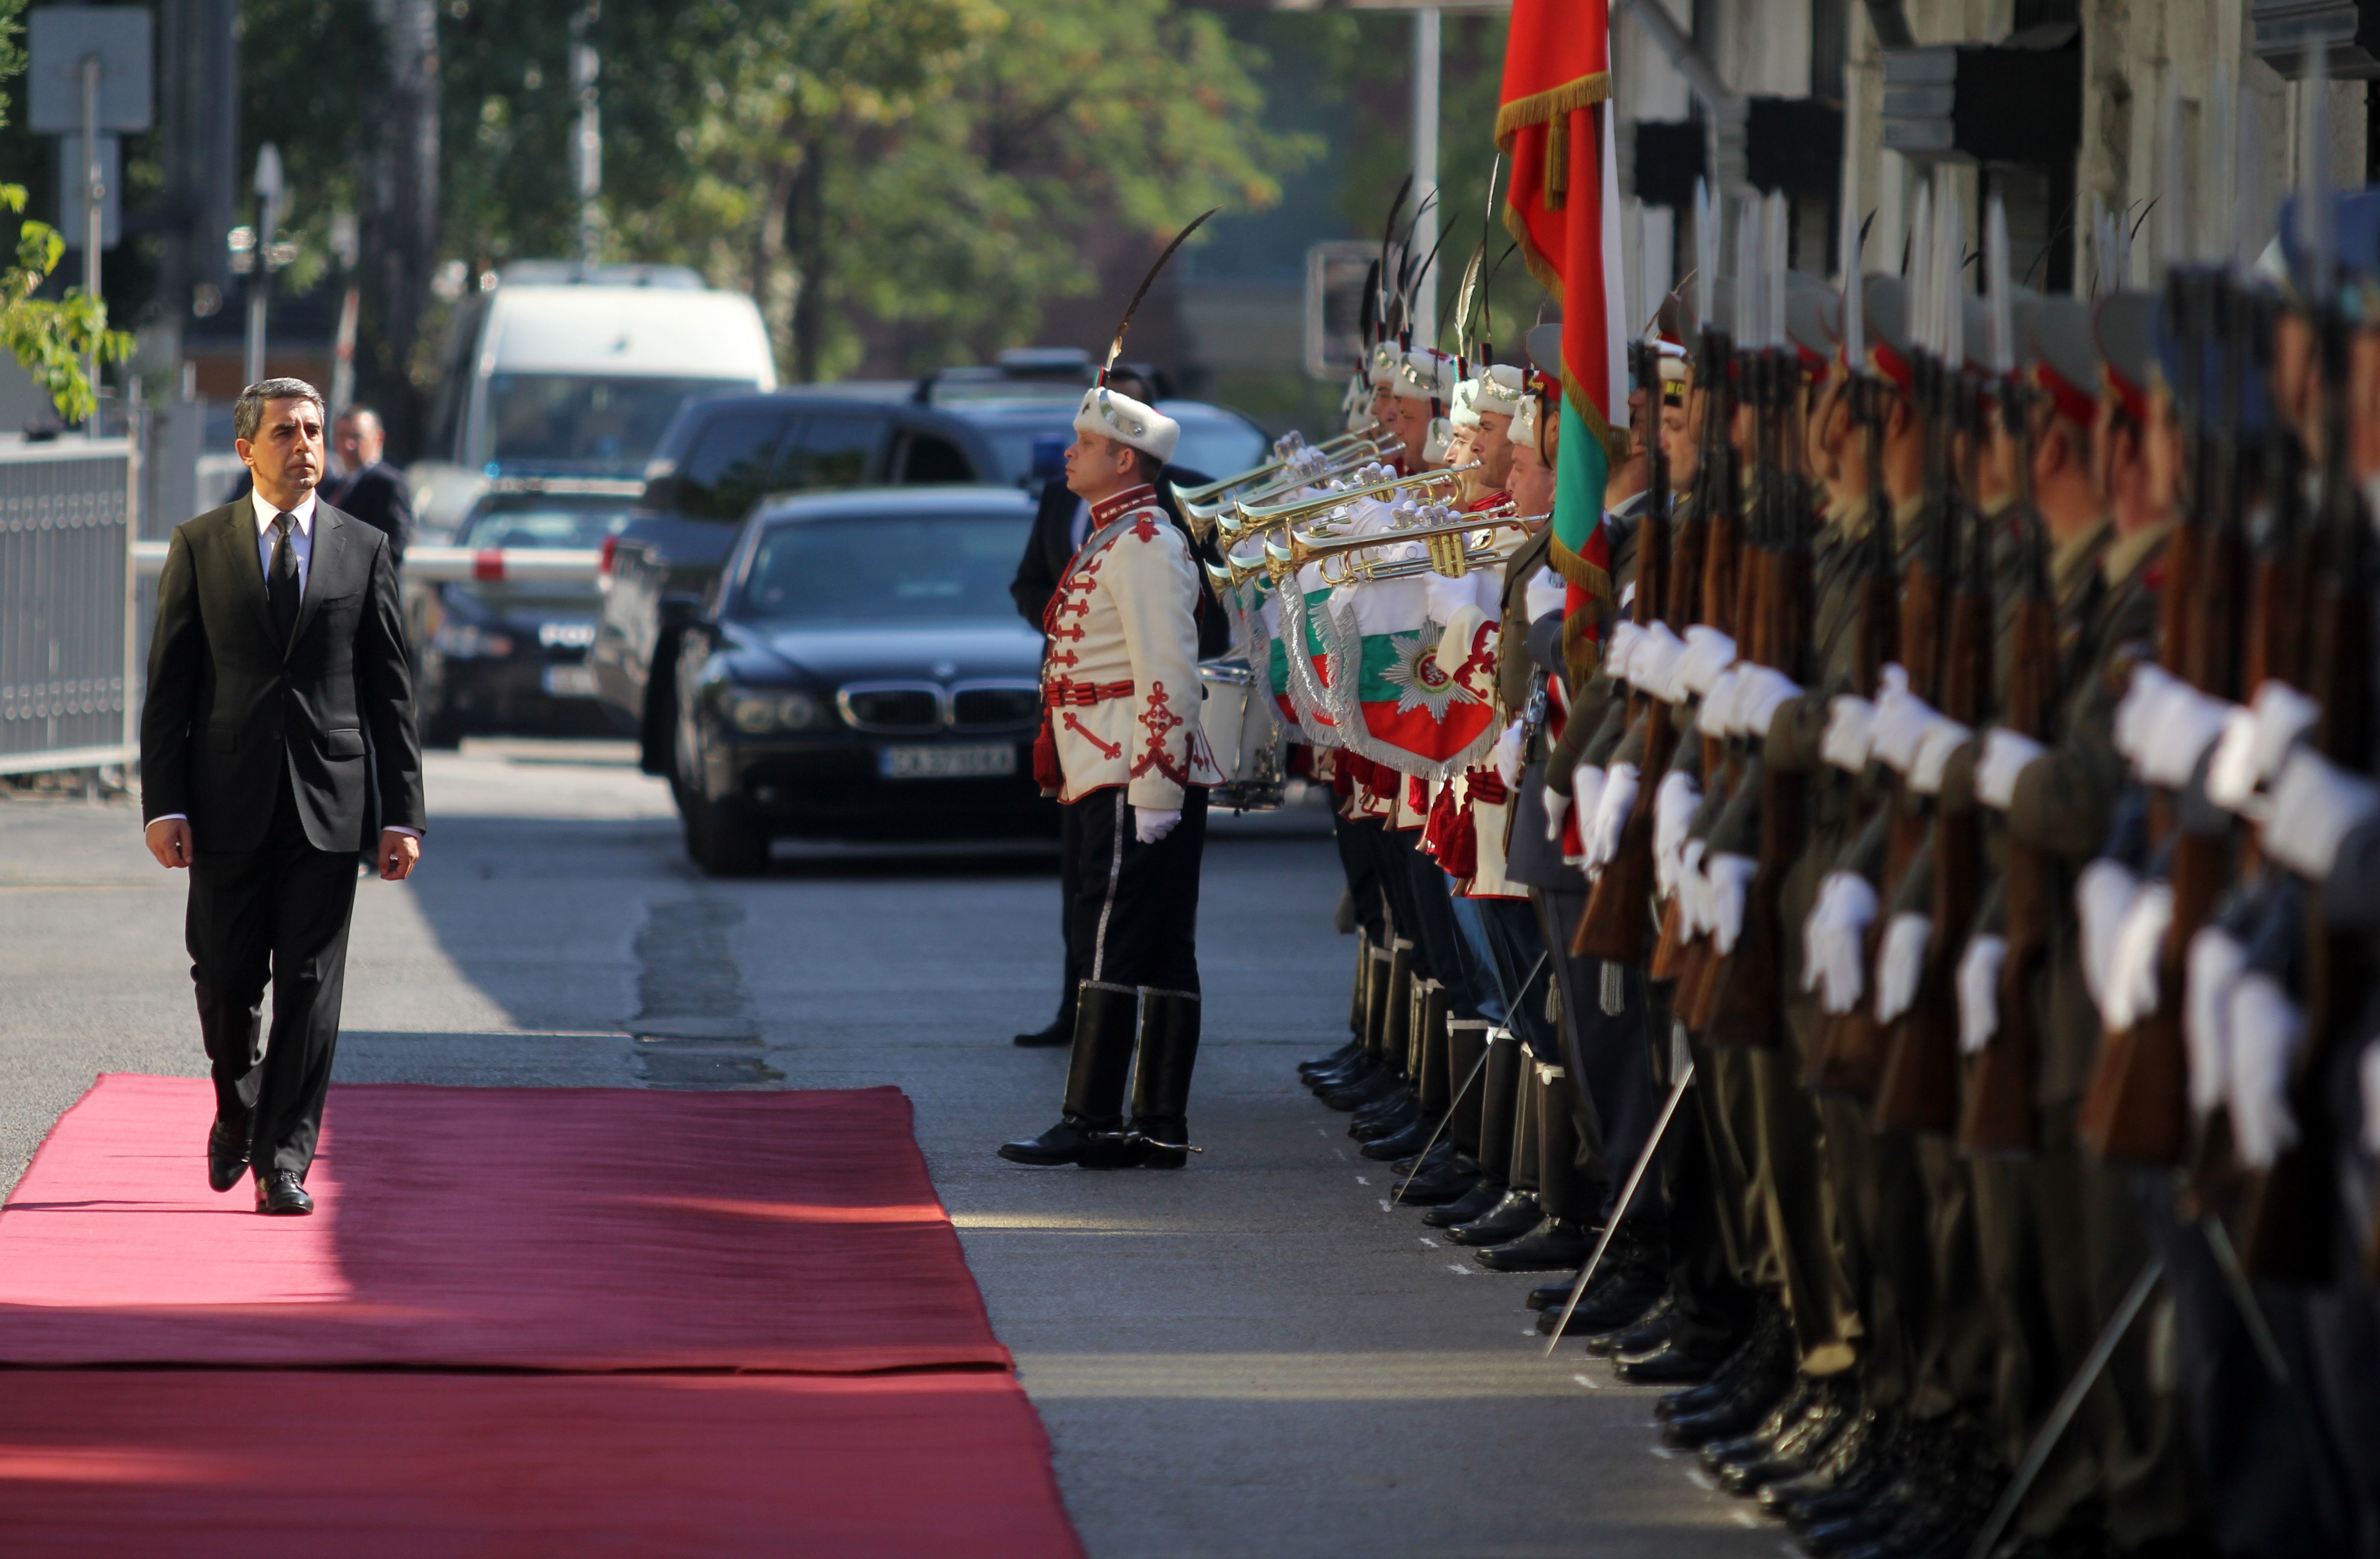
(302, 542)
(301, 536)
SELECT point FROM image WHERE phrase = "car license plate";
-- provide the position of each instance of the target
(570, 682)
(946, 762)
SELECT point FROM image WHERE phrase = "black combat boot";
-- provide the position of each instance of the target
(1161, 1078)
(1089, 1131)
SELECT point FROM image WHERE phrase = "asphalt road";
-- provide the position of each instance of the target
(1253, 1357)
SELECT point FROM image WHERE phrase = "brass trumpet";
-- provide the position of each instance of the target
(1259, 516)
(1449, 549)
(1203, 502)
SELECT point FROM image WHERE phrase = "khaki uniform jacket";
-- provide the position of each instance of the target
(1119, 677)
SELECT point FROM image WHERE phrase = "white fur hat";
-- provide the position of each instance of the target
(1380, 368)
(1111, 414)
(1425, 376)
(1525, 422)
(1463, 410)
(1502, 388)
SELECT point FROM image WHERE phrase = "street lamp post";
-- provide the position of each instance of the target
(268, 198)
(587, 145)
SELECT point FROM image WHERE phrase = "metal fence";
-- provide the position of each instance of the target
(66, 631)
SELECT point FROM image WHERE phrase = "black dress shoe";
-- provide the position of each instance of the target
(1511, 1217)
(1555, 1245)
(1060, 1032)
(1471, 1204)
(1390, 1123)
(1673, 1363)
(1357, 1066)
(1738, 1414)
(1762, 1437)
(1441, 1153)
(1366, 1122)
(1449, 1182)
(1853, 1452)
(1802, 1445)
(1648, 1331)
(280, 1193)
(226, 1154)
(1333, 1061)
(1406, 1143)
(1356, 1094)
(1069, 1142)
(1764, 1354)
(1616, 1300)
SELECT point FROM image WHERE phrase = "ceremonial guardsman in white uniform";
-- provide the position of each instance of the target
(1120, 748)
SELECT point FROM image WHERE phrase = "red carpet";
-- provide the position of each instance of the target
(553, 1228)
(566, 1243)
(213, 1464)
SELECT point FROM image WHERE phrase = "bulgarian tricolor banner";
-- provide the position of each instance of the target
(1562, 205)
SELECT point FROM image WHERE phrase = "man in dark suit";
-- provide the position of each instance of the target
(1059, 526)
(279, 711)
(367, 488)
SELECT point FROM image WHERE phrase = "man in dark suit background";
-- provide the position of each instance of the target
(366, 486)
(1059, 526)
(279, 713)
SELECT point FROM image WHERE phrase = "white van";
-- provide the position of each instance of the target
(568, 370)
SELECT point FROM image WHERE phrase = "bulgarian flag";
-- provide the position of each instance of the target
(1562, 206)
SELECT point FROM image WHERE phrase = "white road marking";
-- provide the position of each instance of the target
(1590, 1383)
(1460, 1270)
(1363, 1181)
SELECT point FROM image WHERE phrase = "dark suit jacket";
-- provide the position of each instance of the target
(1051, 545)
(378, 496)
(228, 709)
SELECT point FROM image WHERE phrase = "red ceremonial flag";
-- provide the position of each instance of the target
(1562, 206)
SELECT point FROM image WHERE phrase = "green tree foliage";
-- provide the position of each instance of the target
(52, 339)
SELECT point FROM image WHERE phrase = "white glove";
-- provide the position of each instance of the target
(2187, 722)
(1942, 738)
(2005, 757)
(1712, 719)
(1673, 812)
(1979, 991)
(1834, 949)
(1557, 808)
(1611, 814)
(2282, 716)
(1506, 755)
(1709, 652)
(2103, 897)
(1150, 824)
(1760, 691)
(2216, 962)
(1547, 591)
(2132, 970)
(1691, 901)
(2315, 806)
(1899, 726)
(1585, 795)
(1901, 964)
(2232, 776)
(1626, 635)
(2265, 1030)
(1454, 644)
(2136, 711)
(1728, 879)
(1845, 743)
(1654, 665)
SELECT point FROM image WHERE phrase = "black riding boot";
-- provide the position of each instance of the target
(1090, 1132)
(1161, 1078)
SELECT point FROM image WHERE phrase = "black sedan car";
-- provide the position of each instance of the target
(511, 655)
(859, 671)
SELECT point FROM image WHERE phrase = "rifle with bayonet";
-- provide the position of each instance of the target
(2000, 1115)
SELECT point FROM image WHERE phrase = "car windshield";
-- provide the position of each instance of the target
(585, 420)
(544, 525)
(1213, 444)
(935, 568)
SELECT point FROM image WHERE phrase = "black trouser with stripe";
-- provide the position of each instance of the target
(1132, 908)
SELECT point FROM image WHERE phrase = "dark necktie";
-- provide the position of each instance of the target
(281, 579)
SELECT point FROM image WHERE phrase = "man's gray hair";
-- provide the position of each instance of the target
(248, 412)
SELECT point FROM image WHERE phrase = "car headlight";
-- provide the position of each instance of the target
(758, 712)
(469, 641)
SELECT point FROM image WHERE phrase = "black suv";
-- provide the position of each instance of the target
(1006, 426)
